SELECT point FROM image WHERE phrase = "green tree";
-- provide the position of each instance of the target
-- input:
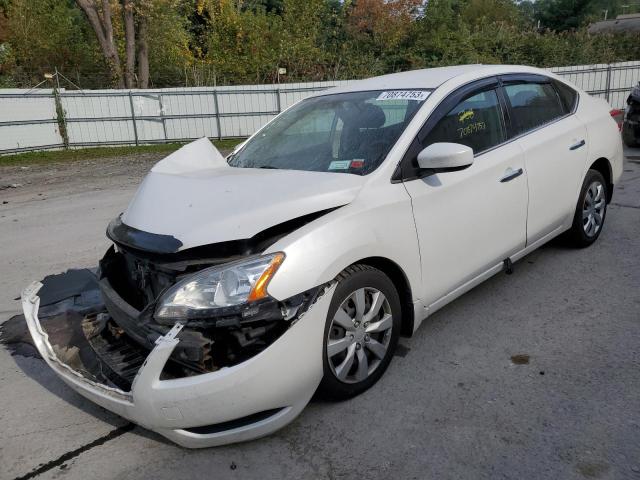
(561, 15)
(44, 34)
(242, 45)
(168, 42)
(209, 42)
(7, 65)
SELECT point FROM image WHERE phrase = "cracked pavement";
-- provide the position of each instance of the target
(454, 405)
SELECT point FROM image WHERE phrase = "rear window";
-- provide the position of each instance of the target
(533, 105)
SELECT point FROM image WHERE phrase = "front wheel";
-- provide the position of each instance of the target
(591, 210)
(361, 333)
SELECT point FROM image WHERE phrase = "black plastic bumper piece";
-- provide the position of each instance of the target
(233, 424)
(131, 237)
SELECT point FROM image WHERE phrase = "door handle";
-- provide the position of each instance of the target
(510, 174)
(576, 146)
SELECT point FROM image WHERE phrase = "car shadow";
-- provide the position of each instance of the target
(29, 361)
(15, 338)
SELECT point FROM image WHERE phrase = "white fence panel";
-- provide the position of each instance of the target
(242, 126)
(37, 136)
(184, 129)
(92, 118)
(28, 122)
(112, 117)
(621, 78)
(612, 81)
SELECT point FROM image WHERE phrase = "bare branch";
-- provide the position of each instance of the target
(103, 29)
(143, 53)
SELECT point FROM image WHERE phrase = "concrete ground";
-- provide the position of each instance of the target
(454, 405)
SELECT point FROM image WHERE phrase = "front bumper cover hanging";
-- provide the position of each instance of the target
(236, 403)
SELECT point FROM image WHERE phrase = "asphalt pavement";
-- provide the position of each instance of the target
(534, 375)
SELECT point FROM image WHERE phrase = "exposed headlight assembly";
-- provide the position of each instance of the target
(210, 291)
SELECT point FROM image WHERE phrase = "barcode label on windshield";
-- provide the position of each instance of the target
(403, 95)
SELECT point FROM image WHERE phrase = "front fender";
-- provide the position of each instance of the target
(370, 227)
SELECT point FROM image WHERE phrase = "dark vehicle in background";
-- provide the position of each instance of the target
(631, 124)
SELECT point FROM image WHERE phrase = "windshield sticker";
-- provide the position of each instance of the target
(357, 163)
(419, 95)
(340, 165)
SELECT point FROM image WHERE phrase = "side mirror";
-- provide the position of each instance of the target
(445, 156)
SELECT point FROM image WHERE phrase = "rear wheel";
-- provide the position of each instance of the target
(591, 210)
(361, 333)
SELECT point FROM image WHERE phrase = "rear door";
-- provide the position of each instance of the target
(554, 144)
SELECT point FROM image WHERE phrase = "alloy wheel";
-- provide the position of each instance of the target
(593, 209)
(359, 335)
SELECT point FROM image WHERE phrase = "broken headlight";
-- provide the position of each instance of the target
(205, 293)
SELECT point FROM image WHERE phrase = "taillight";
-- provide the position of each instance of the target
(618, 116)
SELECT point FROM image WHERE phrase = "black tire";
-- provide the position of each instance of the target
(577, 235)
(351, 280)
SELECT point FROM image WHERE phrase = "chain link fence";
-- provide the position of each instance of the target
(52, 118)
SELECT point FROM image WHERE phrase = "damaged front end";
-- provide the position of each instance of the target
(142, 270)
(177, 332)
(200, 376)
(132, 284)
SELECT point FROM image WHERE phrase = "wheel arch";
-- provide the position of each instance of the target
(603, 166)
(401, 282)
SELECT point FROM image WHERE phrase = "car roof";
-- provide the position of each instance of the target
(431, 78)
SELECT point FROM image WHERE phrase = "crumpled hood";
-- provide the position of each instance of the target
(196, 197)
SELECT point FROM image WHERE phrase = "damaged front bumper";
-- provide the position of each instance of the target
(233, 404)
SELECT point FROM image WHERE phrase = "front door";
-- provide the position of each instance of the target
(469, 221)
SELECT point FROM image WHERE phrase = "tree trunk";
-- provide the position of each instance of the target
(130, 43)
(143, 53)
(103, 29)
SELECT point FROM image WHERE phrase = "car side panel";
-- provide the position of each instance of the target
(603, 136)
(467, 221)
(554, 172)
(379, 223)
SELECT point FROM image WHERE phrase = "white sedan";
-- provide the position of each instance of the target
(237, 288)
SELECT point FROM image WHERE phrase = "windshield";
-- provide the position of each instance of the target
(345, 132)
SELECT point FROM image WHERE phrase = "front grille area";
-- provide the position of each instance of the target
(98, 334)
(131, 283)
(136, 279)
(120, 357)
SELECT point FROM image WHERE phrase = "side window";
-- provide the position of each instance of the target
(568, 96)
(476, 122)
(533, 105)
